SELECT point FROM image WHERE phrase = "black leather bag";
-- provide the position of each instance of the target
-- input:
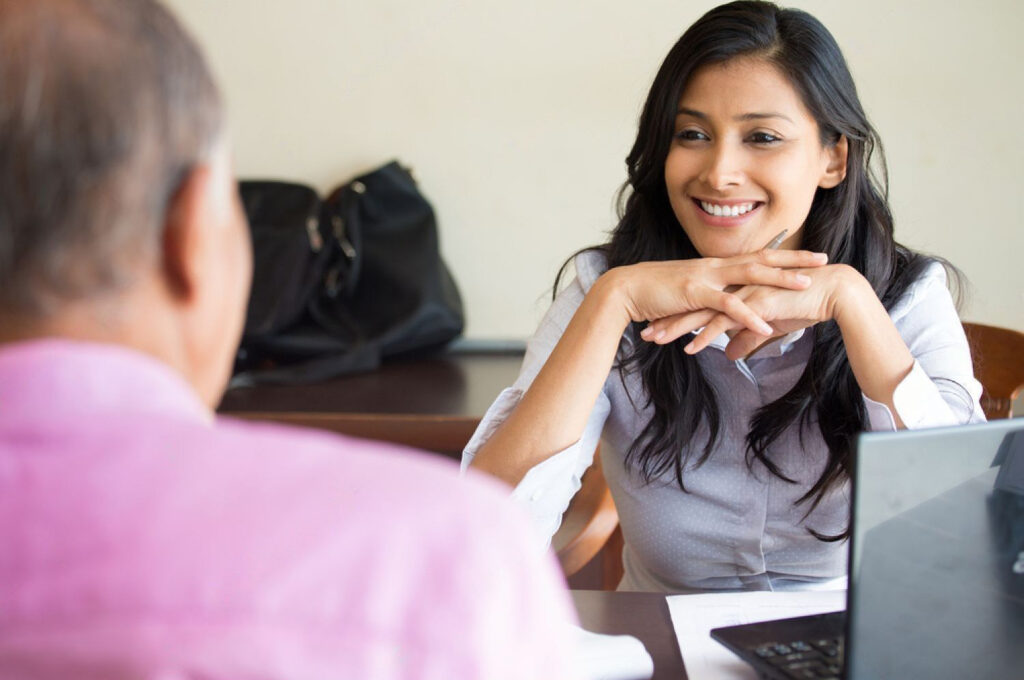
(341, 283)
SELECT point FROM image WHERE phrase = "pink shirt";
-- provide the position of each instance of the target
(141, 538)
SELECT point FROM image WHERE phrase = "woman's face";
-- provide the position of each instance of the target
(746, 159)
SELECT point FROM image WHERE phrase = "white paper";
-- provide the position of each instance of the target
(612, 657)
(693, 617)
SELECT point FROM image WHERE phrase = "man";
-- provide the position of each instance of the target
(140, 536)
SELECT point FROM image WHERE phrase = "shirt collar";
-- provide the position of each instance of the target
(56, 377)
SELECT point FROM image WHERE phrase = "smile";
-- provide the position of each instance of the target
(719, 210)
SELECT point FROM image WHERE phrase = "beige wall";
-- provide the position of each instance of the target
(516, 117)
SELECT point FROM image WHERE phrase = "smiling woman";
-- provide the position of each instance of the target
(727, 453)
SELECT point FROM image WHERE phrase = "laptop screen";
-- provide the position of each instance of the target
(937, 558)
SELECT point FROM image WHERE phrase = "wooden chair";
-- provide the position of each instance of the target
(590, 525)
(998, 356)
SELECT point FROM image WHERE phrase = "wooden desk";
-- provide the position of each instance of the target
(432, 403)
(643, 615)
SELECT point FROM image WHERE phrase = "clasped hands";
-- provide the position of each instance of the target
(755, 297)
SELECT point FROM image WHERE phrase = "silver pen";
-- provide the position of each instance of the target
(777, 241)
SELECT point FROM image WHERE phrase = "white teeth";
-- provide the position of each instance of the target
(726, 210)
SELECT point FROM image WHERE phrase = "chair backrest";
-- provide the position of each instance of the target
(589, 524)
(998, 356)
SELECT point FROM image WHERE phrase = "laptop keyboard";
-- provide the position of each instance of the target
(819, 659)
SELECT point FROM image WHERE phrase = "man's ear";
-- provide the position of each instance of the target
(184, 239)
(835, 171)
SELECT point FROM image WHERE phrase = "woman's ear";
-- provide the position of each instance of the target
(835, 170)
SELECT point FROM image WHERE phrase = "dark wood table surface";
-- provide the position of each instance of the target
(642, 615)
(431, 403)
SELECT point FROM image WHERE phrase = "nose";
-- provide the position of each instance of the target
(723, 167)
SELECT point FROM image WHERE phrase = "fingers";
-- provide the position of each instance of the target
(755, 273)
(671, 328)
(718, 325)
(728, 310)
(735, 313)
(789, 259)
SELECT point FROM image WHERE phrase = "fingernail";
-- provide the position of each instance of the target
(820, 257)
(659, 335)
(689, 349)
(766, 329)
(646, 332)
(803, 279)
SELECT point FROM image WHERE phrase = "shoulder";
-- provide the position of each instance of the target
(388, 478)
(581, 272)
(372, 513)
(586, 268)
(405, 519)
(924, 294)
(589, 266)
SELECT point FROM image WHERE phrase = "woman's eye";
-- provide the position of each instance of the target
(691, 135)
(764, 138)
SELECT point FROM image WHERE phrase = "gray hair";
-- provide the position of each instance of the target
(105, 106)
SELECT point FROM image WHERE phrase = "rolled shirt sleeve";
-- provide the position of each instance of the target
(548, 487)
(940, 389)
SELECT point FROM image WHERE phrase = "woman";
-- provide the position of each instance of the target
(727, 451)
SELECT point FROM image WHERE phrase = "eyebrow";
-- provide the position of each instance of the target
(742, 117)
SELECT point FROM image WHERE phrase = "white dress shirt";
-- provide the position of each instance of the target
(736, 527)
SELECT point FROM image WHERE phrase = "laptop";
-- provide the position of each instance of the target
(936, 566)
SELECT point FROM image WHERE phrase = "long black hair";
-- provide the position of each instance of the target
(851, 222)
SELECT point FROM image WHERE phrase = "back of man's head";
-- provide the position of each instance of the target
(105, 107)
